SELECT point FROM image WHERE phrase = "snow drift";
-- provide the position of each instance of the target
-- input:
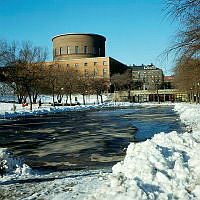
(164, 167)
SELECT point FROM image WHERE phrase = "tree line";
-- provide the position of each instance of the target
(23, 68)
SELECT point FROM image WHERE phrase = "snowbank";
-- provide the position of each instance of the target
(165, 167)
(7, 112)
(10, 165)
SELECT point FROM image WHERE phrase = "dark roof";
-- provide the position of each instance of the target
(143, 67)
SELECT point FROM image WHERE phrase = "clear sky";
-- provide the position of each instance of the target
(136, 30)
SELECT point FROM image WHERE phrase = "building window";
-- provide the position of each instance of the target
(68, 50)
(94, 51)
(104, 63)
(104, 72)
(99, 51)
(95, 63)
(85, 49)
(86, 72)
(85, 64)
(76, 64)
(95, 72)
(61, 51)
(76, 49)
(67, 65)
(56, 52)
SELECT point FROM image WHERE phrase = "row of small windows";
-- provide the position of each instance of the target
(86, 64)
(95, 50)
(95, 72)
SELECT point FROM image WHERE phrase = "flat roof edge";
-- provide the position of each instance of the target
(92, 34)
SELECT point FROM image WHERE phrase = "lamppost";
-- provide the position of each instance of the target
(191, 95)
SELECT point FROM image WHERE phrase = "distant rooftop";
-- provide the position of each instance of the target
(143, 67)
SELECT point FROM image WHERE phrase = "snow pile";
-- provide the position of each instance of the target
(165, 167)
(11, 165)
(189, 114)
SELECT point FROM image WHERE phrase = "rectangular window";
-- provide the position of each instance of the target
(94, 51)
(95, 63)
(61, 51)
(95, 72)
(85, 49)
(76, 64)
(68, 50)
(76, 49)
(86, 72)
(104, 72)
(104, 63)
(85, 64)
(56, 52)
(99, 51)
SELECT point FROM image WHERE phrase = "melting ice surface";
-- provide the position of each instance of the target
(164, 167)
(84, 139)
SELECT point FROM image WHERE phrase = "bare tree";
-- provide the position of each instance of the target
(123, 82)
(187, 40)
(22, 68)
(70, 79)
(99, 86)
(52, 83)
(187, 77)
(84, 86)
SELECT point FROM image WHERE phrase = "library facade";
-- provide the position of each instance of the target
(85, 52)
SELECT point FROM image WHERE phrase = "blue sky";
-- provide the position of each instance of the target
(136, 30)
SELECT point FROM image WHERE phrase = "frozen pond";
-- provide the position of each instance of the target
(85, 139)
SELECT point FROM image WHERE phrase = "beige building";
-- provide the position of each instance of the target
(85, 52)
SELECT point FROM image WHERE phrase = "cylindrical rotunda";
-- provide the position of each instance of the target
(78, 45)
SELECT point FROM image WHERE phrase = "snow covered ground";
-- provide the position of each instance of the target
(7, 110)
(164, 167)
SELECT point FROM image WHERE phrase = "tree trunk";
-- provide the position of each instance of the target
(129, 95)
(31, 104)
(83, 99)
(53, 99)
(101, 98)
(97, 99)
(35, 97)
(19, 98)
(70, 98)
(66, 99)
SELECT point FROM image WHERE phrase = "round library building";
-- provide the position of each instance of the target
(78, 45)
